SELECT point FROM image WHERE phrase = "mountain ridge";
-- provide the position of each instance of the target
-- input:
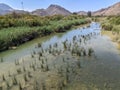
(51, 10)
(54, 9)
(109, 11)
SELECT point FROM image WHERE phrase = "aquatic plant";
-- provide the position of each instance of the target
(1, 60)
(24, 29)
(90, 51)
(39, 45)
(19, 70)
(17, 62)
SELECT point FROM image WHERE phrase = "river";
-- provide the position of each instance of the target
(99, 72)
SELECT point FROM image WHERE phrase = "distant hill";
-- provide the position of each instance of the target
(52, 10)
(112, 10)
(82, 13)
(5, 9)
(56, 9)
(41, 12)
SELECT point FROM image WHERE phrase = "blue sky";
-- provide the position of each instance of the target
(72, 5)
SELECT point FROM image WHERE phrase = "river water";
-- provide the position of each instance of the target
(28, 48)
(101, 72)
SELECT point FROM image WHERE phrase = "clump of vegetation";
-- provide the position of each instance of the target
(112, 23)
(107, 26)
(16, 29)
(1, 60)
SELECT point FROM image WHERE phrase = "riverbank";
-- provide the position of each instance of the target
(14, 36)
(112, 36)
(78, 59)
(111, 27)
(57, 63)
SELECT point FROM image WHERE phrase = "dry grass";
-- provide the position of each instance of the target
(109, 33)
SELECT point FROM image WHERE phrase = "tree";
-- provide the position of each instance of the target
(74, 13)
(89, 13)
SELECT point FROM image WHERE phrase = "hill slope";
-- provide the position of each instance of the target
(112, 10)
(5, 9)
(56, 9)
(52, 10)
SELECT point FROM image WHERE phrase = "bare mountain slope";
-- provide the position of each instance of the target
(112, 10)
(56, 9)
(41, 12)
(51, 10)
(5, 9)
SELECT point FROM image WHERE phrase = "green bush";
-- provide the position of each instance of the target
(107, 26)
(22, 28)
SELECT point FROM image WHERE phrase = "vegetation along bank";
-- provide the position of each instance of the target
(111, 26)
(16, 29)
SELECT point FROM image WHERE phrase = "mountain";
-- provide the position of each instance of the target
(56, 9)
(82, 13)
(52, 10)
(41, 12)
(5, 9)
(110, 11)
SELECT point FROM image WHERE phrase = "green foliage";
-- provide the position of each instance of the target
(17, 29)
(112, 23)
(115, 20)
(116, 29)
(107, 26)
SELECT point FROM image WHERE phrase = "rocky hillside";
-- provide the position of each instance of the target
(112, 10)
(41, 12)
(55, 9)
(52, 10)
(5, 9)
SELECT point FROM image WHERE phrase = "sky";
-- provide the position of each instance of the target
(71, 5)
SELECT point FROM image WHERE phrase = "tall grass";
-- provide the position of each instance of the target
(14, 36)
(113, 24)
